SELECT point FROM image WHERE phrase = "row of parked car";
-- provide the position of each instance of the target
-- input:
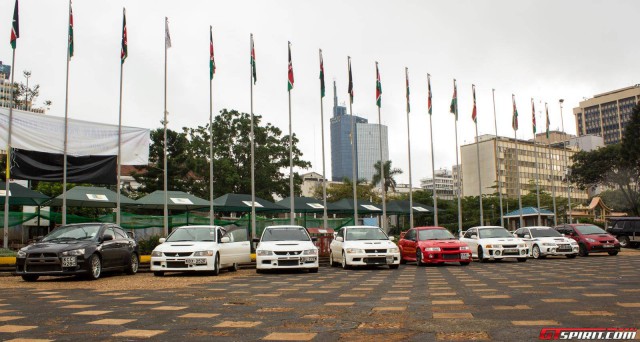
(88, 249)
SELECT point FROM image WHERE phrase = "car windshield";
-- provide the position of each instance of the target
(82, 232)
(285, 234)
(366, 234)
(192, 234)
(435, 234)
(544, 232)
(497, 232)
(588, 230)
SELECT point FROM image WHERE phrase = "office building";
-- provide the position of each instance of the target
(443, 180)
(607, 114)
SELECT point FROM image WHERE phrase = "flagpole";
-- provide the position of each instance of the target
(535, 152)
(122, 56)
(566, 160)
(164, 145)
(7, 174)
(458, 161)
(66, 124)
(551, 171)
(211, 72)
(292, 212)
(253, 164)
(433, 163)
(324, 179)
(354, 178)
(382, 161)
(406, 71)
(478, 156)
(515, 139)
(495, 151)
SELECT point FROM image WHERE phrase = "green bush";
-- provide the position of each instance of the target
(7, 253)
(145, 247)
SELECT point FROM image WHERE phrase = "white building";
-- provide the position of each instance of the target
(444, 184)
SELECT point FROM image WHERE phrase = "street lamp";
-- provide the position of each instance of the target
(27, 75)
(564, 148)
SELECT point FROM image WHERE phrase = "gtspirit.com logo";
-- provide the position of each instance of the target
(588, 333)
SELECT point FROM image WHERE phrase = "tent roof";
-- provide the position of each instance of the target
(242, 203)
(305, 204)
(529, 211)
(402, 207)
(92, 197)
(20, 195)
(364, 206)
(176, 200)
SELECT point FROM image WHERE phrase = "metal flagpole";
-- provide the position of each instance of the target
(292, 210)
(324, 179)
(566, 161)
(66, 123)
(382, 161)
(475, 120)
(167, 44)
(535, 152)
(354, 177)
(433, 164)
(7, 192)
(458, 160)
(551, 170)
(212, 68)
(123, 55)
(515, 140)
(253, 143)
(495, 148)
(406, 71)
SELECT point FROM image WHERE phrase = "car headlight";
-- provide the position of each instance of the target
(21, 254)
(203, 253)
(590, 240)
(263, 252)
(76, 252)
(464, 248)
(523, 245)
(548, 244)
(310, 251)
(156, 254)
(393, 250)
(354, 250)
(491, 246)
(432, 249)
(573, 243)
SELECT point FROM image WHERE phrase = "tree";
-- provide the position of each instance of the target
(389, 174)
(336, 192)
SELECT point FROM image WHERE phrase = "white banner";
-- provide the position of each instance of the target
(45, 133)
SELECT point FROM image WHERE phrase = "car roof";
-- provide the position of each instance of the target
(198, 227)
(284, 227)
(484, 227)
(370, 227)
(538, 227)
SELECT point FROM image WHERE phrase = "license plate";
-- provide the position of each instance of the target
(309, 259)
(69, 261)
(389, 259)
(464, 256)
(194, 261)
(607, 246)
(511, 250)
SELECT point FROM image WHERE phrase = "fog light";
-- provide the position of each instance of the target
(497, 253)
(522, 252)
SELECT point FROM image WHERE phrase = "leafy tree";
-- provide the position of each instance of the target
(338, 191)
(389, 176)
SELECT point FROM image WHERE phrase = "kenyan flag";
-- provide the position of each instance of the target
(350, 89)
(514, 118)
(453, 108)
(321, 76)
(429, 96)
(474, 113)
(15, 27)
(548, 122)
(253, 62)
(290, 73)
(378, 88)
(70, 31)
(533, 117)
(212, 61)
(124, 53)
(406, 71)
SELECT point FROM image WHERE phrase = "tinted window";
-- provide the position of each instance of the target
(192, 234)
(469, 233)
(285, 234)
(494, 233)
(237, 234)
(74, 233)
(366, 234)
(540, 232)
(120, 234)
(435, 234)
(520, 233)
(411, 235)
(587, 230)
(109, 231)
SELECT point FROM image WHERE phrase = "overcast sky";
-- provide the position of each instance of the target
(543, 49)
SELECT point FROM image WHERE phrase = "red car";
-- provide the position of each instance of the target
(432, 245)
(590, 238)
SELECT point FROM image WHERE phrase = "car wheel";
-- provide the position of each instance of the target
(571, 256)
(332, 262)
(481, 255)
(95, 267)
(345, 266)
(216, 264)
(522, 259)
(419, 258)
(394, 266)
(613, 253)
(464, 263)
(624, 241)
(313, 270)
(134, 263)
(234, 267)
(158, 274)
(30, 278)
(535, 252)
(583, 251)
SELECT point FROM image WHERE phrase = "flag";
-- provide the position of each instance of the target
(378, 88)
(429, 97)
(15, 27)
(350, 89)
(514, 118)
(453, 109)
(474, 113)
(290, 72)
(212, 61)
(167, 36)
(123, 51)
(253, 62)
(321, 76)
(533, 117)
(406, 72)
(548, 122)
(70, 31)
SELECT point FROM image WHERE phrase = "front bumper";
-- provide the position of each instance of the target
(182, 264)
(271, 262)
(364, 259)
(50, 266)
(438, 257)
(600, 248)
(556, 251)
(504, 253)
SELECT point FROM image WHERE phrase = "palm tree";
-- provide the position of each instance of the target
(389, 174)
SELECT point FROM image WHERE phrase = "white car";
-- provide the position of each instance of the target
(543, 241)
(491, 242)
(286, 247)
(201, 248)
(361, 246)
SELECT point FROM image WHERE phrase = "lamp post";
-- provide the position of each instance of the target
(27, 75)
(566, 161)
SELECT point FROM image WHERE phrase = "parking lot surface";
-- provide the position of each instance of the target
(503, 301)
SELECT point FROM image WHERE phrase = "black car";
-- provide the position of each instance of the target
(626, 230)
(85, 249)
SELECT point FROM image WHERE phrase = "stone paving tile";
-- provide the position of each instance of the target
(199, 315)
(92, 312)
(237, 324)
(28, 340)
(289, 336)
(112, 321)
(139, 333)
(452, 315)
(10, 328)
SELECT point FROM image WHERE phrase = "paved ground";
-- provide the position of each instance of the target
(504, 301)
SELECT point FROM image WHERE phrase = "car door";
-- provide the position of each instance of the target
(237, 249)
(124, 245)
(472, 242)
(336, 246)
(411, 243)
(522, 233)
(109, 249)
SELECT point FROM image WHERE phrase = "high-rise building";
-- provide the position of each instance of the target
(443, 180)
(607, 114)
(5, 86)
(366, 139)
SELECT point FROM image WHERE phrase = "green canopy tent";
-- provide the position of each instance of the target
(403, 208)
(176, 200)
(20, 195)
(364, 207)
(306, 205)
(242, 203)
(92, 197)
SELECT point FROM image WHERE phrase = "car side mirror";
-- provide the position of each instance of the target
(107, 237)
(314, 239)
(162, 240)
(527, 236)
(392, 238)
(339, 238)
(256, 240)
(474, 236)
(225, 239)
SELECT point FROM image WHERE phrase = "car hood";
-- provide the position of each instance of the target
(501, 240)
(285, 246)
(367, 244)
(57, 247)
(186, 246)
(441, 243)
(554, 239)
(600, 237)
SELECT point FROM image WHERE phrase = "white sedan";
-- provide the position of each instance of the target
(201, 248)
(286, 247)
(491, 242)
(543, 241)
(363, 245)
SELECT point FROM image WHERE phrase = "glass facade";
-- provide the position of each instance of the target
(368, 137)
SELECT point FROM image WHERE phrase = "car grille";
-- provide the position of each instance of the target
(449, 249)
(375, 250)
(288, 253)
(288, 262)
(607, 241)
(509, 246)
(43, 268)
(375, 260)
(177, 254)
(176, 264)
(450, 256)
(511, 253)
(42, 255)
